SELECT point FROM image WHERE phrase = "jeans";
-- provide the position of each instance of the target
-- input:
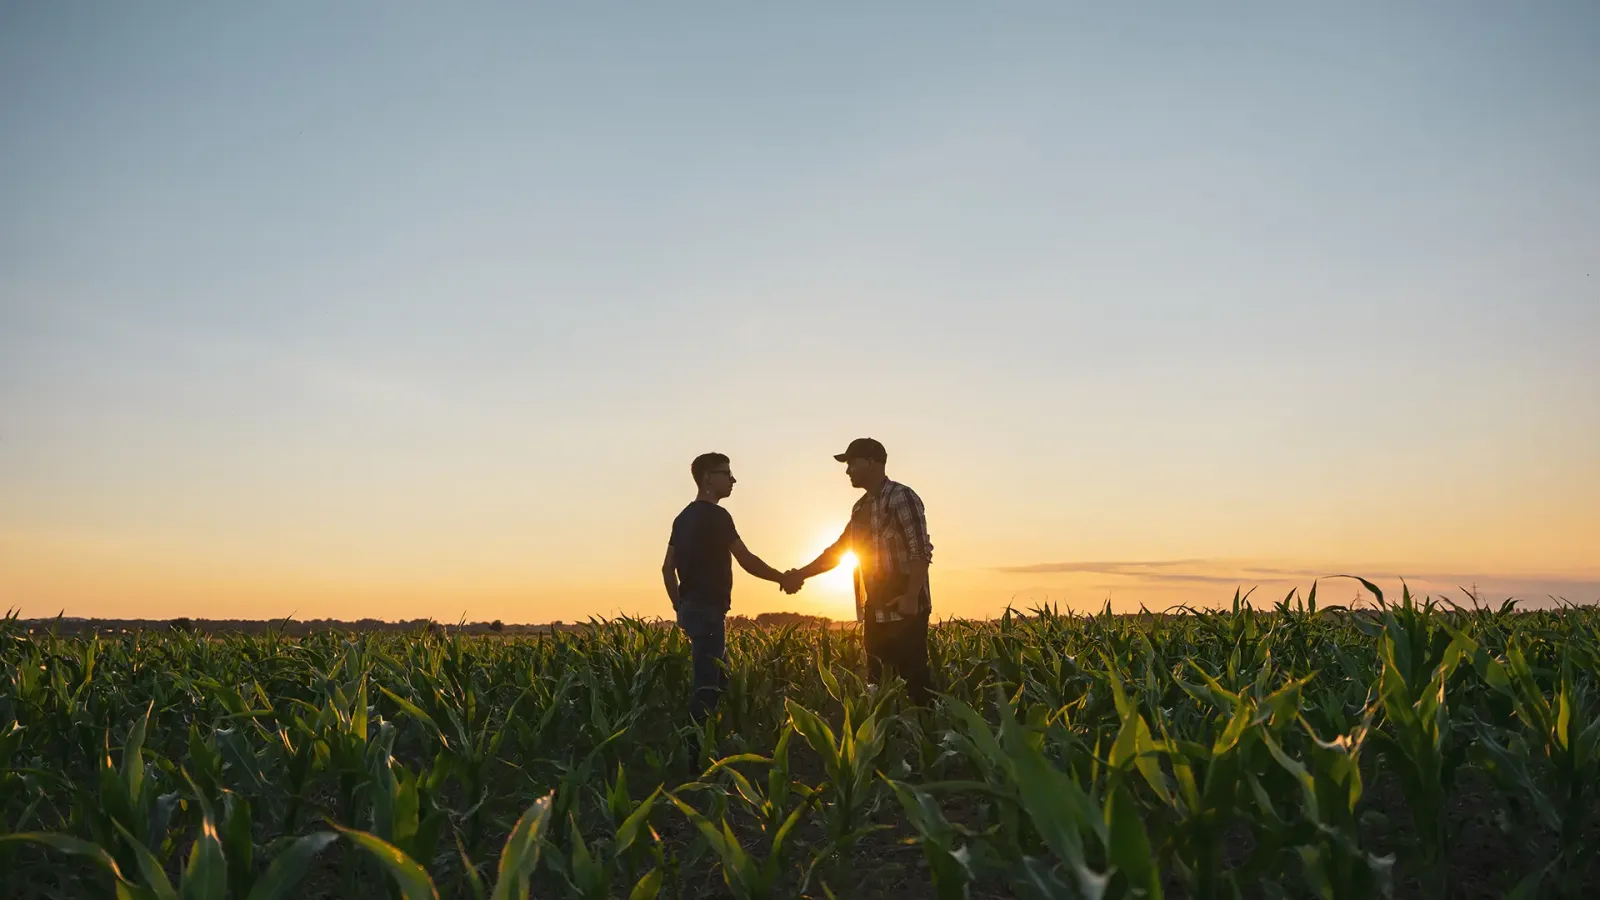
(708, 651)
(899, 648)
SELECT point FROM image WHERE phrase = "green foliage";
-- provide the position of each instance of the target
(1205, 754)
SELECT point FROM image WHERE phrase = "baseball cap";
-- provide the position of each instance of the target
(865, 448)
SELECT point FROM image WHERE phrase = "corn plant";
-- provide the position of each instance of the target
(1550, 761)
(1419, 737)
(849, 760)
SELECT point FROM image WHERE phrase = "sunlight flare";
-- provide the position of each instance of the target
(840, 579)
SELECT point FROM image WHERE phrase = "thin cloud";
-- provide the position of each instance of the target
(1176, 573)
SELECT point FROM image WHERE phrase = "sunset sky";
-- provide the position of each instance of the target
(349, 310)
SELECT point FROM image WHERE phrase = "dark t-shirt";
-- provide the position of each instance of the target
(702, 550)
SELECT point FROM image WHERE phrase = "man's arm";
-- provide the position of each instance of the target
(916, 580)
(669, 576)
(752, 563)
(912, 519)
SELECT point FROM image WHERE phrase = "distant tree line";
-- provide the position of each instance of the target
(291, 626)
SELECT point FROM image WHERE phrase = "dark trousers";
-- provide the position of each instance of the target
(708, 651)
(899, 648)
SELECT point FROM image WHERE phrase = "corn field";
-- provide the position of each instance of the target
(1411, 749)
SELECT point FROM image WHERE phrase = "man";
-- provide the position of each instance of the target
(888, 532)
(698, 573)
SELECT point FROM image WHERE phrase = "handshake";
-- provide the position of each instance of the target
(791, 581)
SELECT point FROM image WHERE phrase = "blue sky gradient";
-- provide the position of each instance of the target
(409, 310)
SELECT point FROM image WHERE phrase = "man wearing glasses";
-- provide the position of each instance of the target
(698, 573)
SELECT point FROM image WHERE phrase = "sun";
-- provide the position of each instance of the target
(833, 592)
(840, 579)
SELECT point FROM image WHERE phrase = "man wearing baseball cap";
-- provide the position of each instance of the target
(888, 532)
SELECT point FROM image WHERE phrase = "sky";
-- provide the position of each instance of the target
(399, 311)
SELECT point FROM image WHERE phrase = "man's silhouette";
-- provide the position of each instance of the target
(698, 573)
(888, 532)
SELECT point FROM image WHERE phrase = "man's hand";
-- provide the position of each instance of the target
(791, 582)
(906, 603)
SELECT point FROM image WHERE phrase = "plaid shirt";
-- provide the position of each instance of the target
(888, 532)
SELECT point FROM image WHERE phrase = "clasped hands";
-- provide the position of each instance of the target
(791, 581)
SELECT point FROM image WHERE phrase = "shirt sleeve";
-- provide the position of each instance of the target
(729, 531)
(906, 507)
